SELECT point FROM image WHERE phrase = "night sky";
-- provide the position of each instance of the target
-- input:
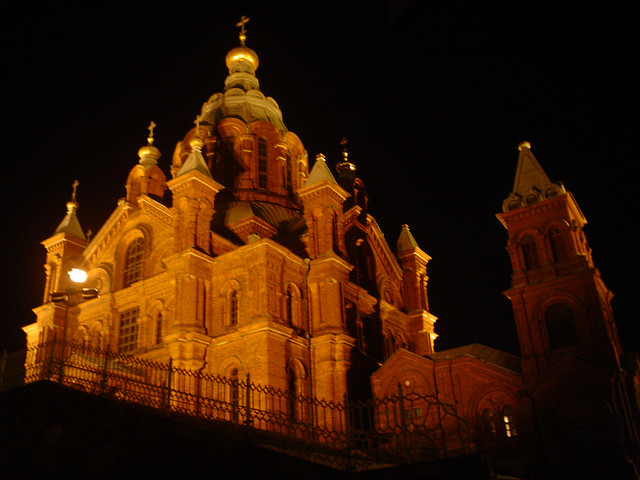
(434, 98)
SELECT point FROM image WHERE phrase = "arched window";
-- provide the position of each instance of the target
(134, 262)
(234, 395)
(288, 174)
(262, 163)
(560, 326)
(289, 308)
(292, 394)
(233, 308)
(389, 346)
(507, 418)
(489, 424)
(558, 247)
(159, 328)
(529, 252)
(128, 338)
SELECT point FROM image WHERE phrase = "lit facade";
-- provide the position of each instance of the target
(249, 261)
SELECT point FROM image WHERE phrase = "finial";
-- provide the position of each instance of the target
(73, 203)
(524, 145)
(320, 156)
(243, 31)
(149, 154)
(151, 126)
(196, 141)
(345, 164)
(345, 154)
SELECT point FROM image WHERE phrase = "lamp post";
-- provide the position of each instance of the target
(77, 276)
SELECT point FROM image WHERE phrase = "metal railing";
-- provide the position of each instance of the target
(405, 427)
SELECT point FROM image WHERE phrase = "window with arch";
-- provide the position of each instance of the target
(560, 326)
(489, 424)
(134, 261)
(389, 345)
(234, 394)
(558, 246)
(296, 374)
(529, 252)
(262, 163)
(128, 338)
(507, 419)
(233, 308)
(159, 329)
(288, 174)
(293, 316)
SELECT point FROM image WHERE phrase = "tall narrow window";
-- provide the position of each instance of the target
(560, 326)
(262, 163)
(558, 247)
(134, 262)
(287, 172)
(233, 308)
(507, 418)
(234, 395)
(291, 394)
(289, 308)
(128, 340)
(159, 328)
(529, 252)
(488, 424)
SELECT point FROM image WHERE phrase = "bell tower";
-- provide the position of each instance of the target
(561, 305)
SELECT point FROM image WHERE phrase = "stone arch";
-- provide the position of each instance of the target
(141, 234)
(293, 313)
(541, 311)
(231, 303)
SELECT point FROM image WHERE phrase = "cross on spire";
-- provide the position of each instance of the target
(151, 126)
(75, 187)
(243, 31)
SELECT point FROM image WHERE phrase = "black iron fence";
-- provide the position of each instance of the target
(401, 428)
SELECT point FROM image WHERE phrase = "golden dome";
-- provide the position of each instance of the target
(196, 142)
(149, 150)
(242, 53)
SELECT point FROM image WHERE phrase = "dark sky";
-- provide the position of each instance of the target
(434, 98)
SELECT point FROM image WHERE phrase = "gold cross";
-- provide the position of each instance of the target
(151, 126)
(75, 186)
(243, 31)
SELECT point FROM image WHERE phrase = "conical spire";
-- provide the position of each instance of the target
(531, 183)
(319, 172)
(406, 240)
(195, 160)
(70, 223)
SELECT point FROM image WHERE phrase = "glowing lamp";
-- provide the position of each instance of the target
(77, 275)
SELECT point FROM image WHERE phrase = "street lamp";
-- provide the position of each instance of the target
(77, 276)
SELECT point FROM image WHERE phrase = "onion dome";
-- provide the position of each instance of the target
(242, 97)
(149, 154)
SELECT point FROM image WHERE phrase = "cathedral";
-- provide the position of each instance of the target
(252, 259)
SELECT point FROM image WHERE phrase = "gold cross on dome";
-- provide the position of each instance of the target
(243, 31)
(75, 187)
(151, 126)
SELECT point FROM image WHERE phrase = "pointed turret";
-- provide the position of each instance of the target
(70, 223)
(414, 278)
(322, 199)
(194, 192)
(561, 305)
(531, 184)
(64, 248)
